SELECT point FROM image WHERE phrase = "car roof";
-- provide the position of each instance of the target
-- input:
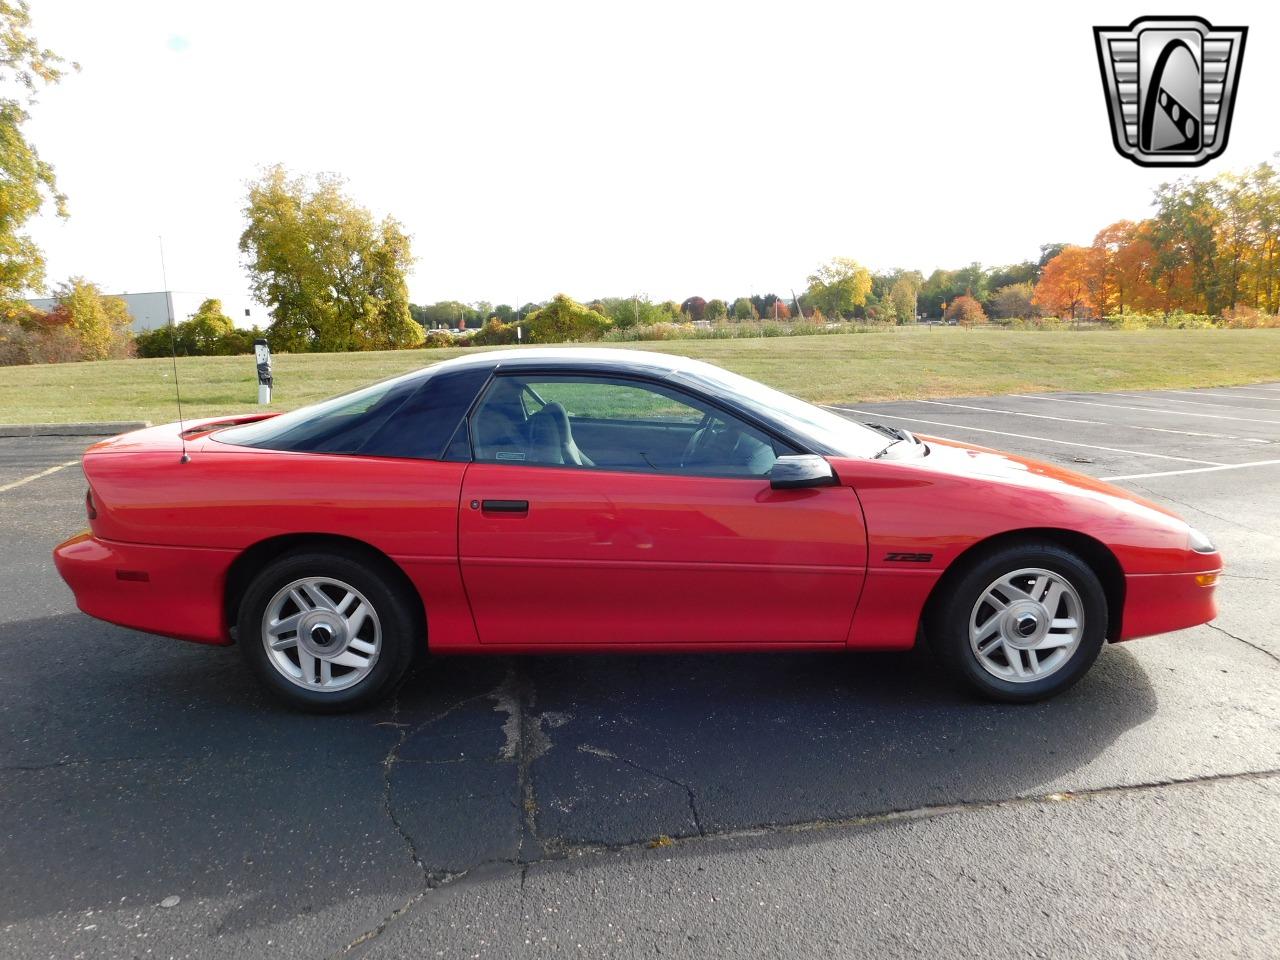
(600, 358)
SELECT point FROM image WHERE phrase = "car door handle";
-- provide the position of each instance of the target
(504, 506)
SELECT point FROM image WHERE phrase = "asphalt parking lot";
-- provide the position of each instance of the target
(789, 805)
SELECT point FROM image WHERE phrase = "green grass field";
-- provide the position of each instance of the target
(888, 365)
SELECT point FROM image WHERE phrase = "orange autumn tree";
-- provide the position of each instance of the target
(1066, 282)
(1121, 277)
(966, 311)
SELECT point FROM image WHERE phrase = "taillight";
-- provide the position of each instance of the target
(89, 508)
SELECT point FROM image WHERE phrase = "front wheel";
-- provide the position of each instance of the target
(325, 631)
(1022, 623)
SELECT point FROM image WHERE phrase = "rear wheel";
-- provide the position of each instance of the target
(1022, 623)
(327, 631)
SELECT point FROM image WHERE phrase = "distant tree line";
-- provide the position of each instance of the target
(1212, 246)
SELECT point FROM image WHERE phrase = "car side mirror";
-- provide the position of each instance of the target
(803, 470)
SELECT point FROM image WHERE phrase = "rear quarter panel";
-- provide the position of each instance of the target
(230, 498)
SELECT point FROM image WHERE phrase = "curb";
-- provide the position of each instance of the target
(104, 428)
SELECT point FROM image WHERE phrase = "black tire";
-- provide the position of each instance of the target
(948, 618)
(401, 630)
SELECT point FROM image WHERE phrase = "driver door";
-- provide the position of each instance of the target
(611, 511)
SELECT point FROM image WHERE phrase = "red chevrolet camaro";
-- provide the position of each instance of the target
(557, 500)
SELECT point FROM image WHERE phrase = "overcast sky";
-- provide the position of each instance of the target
(603, 148)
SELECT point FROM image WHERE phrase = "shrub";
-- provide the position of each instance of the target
(565, 320)
(40, 343)
(15, 345)
(435, 339)
(1248, 318)
(494, 333)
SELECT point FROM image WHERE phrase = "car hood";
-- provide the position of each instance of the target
(984, 463)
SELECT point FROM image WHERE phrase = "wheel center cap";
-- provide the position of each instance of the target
(322, 634)
(1025, 624)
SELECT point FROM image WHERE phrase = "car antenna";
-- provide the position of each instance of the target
(173, 350)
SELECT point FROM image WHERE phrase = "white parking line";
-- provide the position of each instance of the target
(1178, 473)
(1116, 406)
(1096, 423)
(1194, 403)
(1206, 393)
(37, 476)
(1023, 436)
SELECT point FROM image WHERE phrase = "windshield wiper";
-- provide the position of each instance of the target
(899, 436)
(896, 432)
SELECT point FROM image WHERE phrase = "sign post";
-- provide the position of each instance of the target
(262, 354)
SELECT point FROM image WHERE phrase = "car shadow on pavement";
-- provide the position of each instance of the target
(136, 767)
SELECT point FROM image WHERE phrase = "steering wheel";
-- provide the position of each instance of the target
(709, 431)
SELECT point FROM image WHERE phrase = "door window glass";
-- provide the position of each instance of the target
(603, 423)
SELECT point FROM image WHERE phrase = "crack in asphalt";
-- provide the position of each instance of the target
(527, 741)
(531, 743)
(1247, 643)
(924, 812)
(431, 879)
(693, 799)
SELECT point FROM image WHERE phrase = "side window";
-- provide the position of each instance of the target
(340, 425)
(613, 424)
(422, 426)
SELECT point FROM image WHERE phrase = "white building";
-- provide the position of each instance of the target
(151, 310)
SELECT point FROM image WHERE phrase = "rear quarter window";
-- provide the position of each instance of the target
(412, 417)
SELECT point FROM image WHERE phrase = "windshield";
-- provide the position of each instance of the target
(845, 438)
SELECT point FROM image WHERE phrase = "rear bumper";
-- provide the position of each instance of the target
(172, 591)
(1163, 602)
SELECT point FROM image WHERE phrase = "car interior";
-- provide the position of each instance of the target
(610, 424)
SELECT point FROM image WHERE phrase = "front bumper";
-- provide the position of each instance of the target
(1163, 602)
(172, 591)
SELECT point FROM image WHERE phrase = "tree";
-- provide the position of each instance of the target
(1014, 300)
(638, 310)
(208, 327)
(763, 304)
(332, 277)
(838, 286)
(966, 311)
(1028, 271)
(940, 288)
(1050, 250)
(1122, 269)
(716, 310)
(101, 324)
(744, 309)
(206, 333)
(902, 300)
(695, 308)
(26, 181)
(564, 319)
(1184, 235)
(1064, 284)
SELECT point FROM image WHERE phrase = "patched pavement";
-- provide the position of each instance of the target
(736, 805)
